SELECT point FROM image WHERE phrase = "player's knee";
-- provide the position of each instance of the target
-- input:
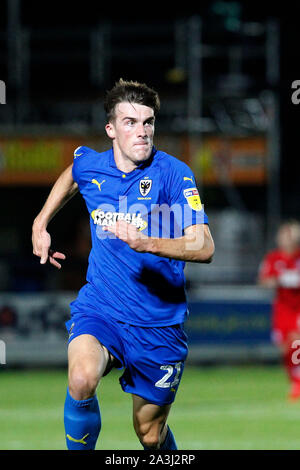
(149, 436)
(151, 441)
(82, 382)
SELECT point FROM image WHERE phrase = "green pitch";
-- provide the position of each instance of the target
(215, 408)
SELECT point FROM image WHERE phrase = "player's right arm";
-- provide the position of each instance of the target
(62, 191)
(267, 276)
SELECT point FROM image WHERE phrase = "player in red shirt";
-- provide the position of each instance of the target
(280, 269)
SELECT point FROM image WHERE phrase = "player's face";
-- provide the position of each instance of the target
(288, 237)
(132, 132)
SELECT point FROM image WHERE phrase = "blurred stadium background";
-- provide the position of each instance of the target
(224, 74)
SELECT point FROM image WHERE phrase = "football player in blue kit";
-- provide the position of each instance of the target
(146, 221)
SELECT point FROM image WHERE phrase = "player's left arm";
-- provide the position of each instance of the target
(196, 245)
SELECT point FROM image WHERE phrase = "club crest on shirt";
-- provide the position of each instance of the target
(193, 198)
(145, 186)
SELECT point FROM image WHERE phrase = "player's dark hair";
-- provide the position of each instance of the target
(130, 92)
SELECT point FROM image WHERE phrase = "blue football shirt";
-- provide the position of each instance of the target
(161, 199)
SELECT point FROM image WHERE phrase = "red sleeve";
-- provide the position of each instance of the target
(267, 267)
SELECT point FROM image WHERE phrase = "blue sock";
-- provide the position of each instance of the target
(82, 422)
(168, 444)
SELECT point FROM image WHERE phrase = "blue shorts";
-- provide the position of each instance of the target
(153, 357)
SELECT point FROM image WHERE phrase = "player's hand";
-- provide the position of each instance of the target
(41, 242)
(129, 234)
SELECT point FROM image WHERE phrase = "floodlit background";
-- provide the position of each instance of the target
(224, 73)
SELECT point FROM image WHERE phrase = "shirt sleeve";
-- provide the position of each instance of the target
(267, 268)
(78, 163)
(184, 198)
